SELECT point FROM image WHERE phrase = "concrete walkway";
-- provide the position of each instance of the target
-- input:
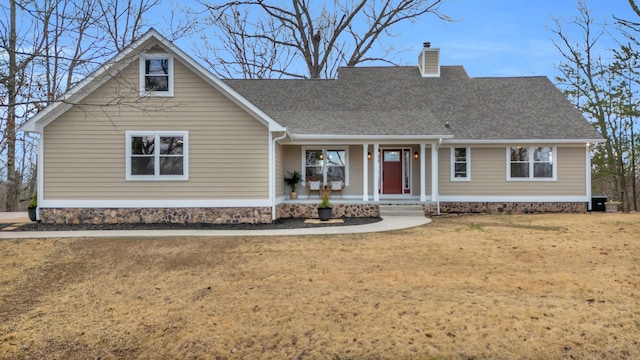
(388, 223)
(14, 217)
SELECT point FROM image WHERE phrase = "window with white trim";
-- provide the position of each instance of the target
(159, 155)
(156, 75)
(531, 163)
(460, 164)
(326, 164)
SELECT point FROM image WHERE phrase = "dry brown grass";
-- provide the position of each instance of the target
(499, 287)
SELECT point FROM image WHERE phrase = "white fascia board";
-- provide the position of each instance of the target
(523, 141)
(507, 199)
(169, 203)
(319, 139)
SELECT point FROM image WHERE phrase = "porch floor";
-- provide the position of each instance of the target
(338, 200)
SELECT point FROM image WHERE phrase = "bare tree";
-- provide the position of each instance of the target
(12, 88)
(122, 20)
(306, 40)
(14, 82)
(603, 90)
(50, 46)
(247, 57)
(633, 26)
(581, 71)
(627, 60)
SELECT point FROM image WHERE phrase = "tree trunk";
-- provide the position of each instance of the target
(10, 204)
(633, 167)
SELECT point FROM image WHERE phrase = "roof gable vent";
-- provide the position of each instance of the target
(429, 61)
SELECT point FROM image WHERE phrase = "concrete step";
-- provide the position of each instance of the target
(401, 210)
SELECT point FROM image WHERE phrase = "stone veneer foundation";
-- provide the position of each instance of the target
(505, 208)
(262, 215)
(259, 215)
(310, 211)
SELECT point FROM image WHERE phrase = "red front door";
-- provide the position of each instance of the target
(392, 171)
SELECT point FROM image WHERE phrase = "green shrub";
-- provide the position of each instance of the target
(33, 203)
(325, 202)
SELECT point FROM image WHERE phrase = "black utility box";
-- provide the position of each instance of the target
(597, 203)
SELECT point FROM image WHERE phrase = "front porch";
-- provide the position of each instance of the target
(404, 172)
(307, 208)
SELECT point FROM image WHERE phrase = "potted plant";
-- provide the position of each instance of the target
(324, 209)
(33, 207)
(612, 206)
(292, 180)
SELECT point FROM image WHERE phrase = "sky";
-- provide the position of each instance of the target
(496, 37)
(505, 37)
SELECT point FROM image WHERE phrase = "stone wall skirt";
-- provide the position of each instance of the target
(310, 211)
(505, 208)
(262, 215)
(257, 215)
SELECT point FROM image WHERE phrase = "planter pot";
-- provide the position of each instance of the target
(611, 207)
(32, 213)
(293, 195)
(324, 214)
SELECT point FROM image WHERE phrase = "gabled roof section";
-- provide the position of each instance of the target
(398, 101)
(110, 68)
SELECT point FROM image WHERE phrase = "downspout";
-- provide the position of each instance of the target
(272, 173)
(590, 148)
(438, 188)
(39, 169)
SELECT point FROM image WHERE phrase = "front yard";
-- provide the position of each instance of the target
(498, 287)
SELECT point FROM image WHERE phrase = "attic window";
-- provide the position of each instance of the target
(156, 75)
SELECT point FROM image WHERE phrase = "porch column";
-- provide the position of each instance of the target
(365, 172)
(376, 172)
(434, 172)
(423, 174)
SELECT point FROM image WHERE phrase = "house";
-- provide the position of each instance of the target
(153, 136)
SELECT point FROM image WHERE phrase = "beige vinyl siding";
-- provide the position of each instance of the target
(356, 171)
(281, 188)
(370, 191)
(415, 191)
(428, 62)
(85, 147)
(293, 161)
(489, 175)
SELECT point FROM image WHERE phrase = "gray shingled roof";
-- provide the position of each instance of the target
(398, 101)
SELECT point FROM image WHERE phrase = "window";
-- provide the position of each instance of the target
(519, 162)
(157, 155)
(531, 163)
(391, 156)
(460, 164)
(325, 164)
(156, 75)
(543, 162)
(407, 171)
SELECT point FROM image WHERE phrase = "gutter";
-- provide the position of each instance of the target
(522, 141)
